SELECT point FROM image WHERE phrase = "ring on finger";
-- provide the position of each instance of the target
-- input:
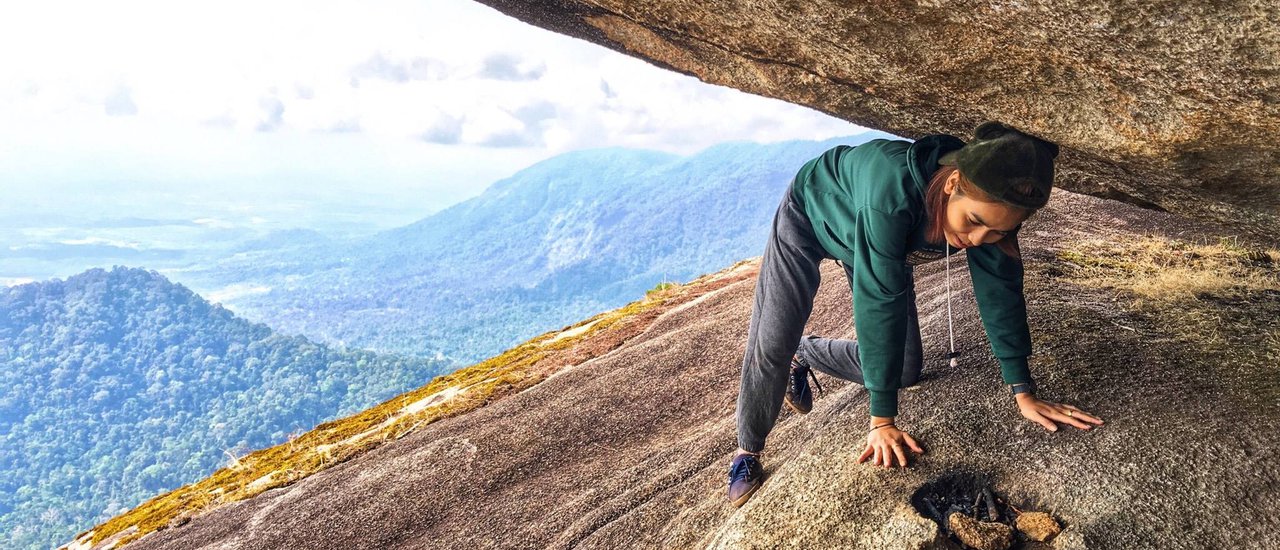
(1070, 413)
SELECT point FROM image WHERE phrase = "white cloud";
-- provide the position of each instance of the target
(120, 103)
(509, 66)
(235, 291)
(271, 114)
(198, 62)
(116, 243)
(447, 130)
(438, 73)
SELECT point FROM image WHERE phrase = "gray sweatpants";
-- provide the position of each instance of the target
(785, 289)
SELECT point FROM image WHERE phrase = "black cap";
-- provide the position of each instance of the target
(1000, 159)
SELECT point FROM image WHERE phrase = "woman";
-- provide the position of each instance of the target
(880, 209)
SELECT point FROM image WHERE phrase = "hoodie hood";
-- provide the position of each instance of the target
(923, 155)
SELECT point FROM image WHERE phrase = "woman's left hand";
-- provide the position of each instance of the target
(1046, 413)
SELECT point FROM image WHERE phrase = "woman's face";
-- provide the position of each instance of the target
(971, 222)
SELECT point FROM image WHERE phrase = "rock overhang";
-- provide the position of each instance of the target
(1167, 105)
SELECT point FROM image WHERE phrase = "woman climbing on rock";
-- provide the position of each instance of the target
(881, 208)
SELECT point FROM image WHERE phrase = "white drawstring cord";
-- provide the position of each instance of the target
(950, 331)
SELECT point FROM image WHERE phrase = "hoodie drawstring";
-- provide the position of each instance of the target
(950, 331)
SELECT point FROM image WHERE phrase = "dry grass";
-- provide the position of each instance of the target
(1218, 300)
(339, 440)
(1169, 271)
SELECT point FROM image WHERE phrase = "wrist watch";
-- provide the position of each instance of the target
(1025, 387)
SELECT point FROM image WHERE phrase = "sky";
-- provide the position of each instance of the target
(440, 97)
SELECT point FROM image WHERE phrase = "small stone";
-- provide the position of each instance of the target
(983, 535)
(1038, 525)
(180, 520)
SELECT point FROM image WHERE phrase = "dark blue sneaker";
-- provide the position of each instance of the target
(799, 397)
(745, 476)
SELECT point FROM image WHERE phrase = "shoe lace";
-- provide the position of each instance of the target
(742, 469)
(815, 381)
(799, 370)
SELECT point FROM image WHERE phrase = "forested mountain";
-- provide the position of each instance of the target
(116, 385)
(577, 234)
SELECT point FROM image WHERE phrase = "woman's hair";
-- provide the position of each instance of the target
(936, 205)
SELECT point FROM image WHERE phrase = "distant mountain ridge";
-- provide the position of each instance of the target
(567, 237)
(117, 384)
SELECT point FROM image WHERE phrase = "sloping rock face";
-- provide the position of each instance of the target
(631, 448)
(1173, 105)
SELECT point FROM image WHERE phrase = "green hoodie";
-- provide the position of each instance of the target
(866, 204)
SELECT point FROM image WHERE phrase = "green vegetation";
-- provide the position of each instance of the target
(116, 385)
(659, 288)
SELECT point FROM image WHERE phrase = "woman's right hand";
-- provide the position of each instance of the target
(887, 444)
